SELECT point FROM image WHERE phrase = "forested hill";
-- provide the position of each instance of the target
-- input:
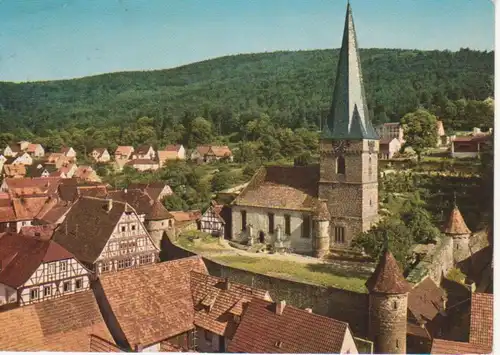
(293, 88)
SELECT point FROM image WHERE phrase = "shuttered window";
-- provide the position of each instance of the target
(270, 217)
(288, 227)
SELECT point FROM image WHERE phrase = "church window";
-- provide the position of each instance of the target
(339, 234)
(340, 165)
(270, 217)
(306, 226)
(288, 227)
(243, 220)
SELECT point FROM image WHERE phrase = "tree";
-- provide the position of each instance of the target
(175, 203)
(303, 159)
(200, 133)
(420, 131)
(222, 180)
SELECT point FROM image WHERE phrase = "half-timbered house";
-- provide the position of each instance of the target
(34, 270)
(211, 221)
(106, 235)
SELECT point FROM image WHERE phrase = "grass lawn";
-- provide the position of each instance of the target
(320, 274)
(203, 243)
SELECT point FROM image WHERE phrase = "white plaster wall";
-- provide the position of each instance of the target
(258, 218)
(464, 154)
(152, 349)
(349, 346)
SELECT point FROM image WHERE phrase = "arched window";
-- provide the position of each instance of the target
(340, 165)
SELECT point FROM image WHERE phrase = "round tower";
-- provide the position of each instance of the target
(458, 230)
(388, 302)
(158, 221)
(321, 220)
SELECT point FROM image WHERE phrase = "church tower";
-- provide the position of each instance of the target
(349, 149)
(388, 304)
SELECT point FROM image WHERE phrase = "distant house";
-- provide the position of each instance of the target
(185, 221)
(100, 155)
(30, 186)
(210, 153)
(156, 190)
(68, 170)
(14, 170)
(35, 150)
(86, 173)
(144, 152)
(40, 170)
(164, 156)
(143, 164)
(388, 147)
(58, 160)
(16, 213)
(68, 152)
(178, 149)
(469, 146)
(442, 138)
(106, 235)
(36, 270)
(2, 159)
(390, 130)
(11, 150)
(211, 221)
(119, 163)
(124, 152)
(23, 158)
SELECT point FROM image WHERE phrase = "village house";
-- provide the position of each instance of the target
(58, 160)
(23, 158)
(124, 152)
(469, 146)
(14, 171)
(186, 221)
(481, 330)
(210, 153)
(388, 147)
(40, 170)
(16, 213)
(35, 270)
(391, 130)
(156, 190)
(143, 164)
(144, 152)
(11, 150)
(100, 155)
(106, 235)
(68, 152)
(71, 190)
(289, 330)
(35, 150)
(30, 186)
(67, 170)
(179, 150)
(315, 209)
(165, 156)
(211, 221)
(72, 323)
(85, 173)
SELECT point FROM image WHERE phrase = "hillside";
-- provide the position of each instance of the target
(293, 88)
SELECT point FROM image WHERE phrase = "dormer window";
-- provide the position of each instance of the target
(341, 165)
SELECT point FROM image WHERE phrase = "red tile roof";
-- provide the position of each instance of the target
(153, 302)
(63, 324)
(294, 331)
(124, 150)
(387, 277)
(224, 303)
(172, 147)
(456, 224)
(14, 170)
(481, 323)
(29, 186)
(42, 232)
(221, 151)
(181, 216)
(441, 346)
(426, 300)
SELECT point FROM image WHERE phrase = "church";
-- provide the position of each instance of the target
(318, 208)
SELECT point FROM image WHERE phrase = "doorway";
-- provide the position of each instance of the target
(262, 237)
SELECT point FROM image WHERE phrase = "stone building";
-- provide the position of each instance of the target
(344, 186)
(388, 306)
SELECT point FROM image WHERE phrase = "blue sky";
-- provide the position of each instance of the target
(55, 39)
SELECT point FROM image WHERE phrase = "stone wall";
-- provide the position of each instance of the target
(347, 306)
(436, 264)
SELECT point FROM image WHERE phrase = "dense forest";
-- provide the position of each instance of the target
(229, 96)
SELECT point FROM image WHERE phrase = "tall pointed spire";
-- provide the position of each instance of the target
(349, 115)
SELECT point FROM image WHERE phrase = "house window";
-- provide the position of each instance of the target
(47, 291)
(123, 228)
(145, 259)
(122, 264)
(78, 284)
(52, 268)
(288, 227)
(341, 165)
(270, 217)
(306, 226)
(208, 336)
(169, 223)
(67, 286)
(133, 227)
(243, 220)
(339, 234)
(34, 294)
(62, 266)
(105, 267)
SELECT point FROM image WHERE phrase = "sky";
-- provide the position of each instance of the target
(60, 39)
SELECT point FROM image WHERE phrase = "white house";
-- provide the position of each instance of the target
(68, 152)
(11, 150)
(100, 155)
(144, 152)
(144, 164)
(35, 150)
(178, 149)
(124, 152)
(211, 221)
(24, 159)
(37, 270)
(388, 147)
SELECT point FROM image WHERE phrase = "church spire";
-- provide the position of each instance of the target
(349, 116)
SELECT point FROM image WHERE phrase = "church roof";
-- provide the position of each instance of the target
(349, 115)
(456, 223)
(387, 277)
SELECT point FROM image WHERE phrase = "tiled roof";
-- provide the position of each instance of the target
(158, 212)
(164, 155)
(88, 227)
(143, 149)
(224, 302)
(441, 346)
(20, 256)
(32, 147)
(63, 324)
(481, 323)
(138, 199)
(425, 300)
(456, 223)
(294, 331)
(417, 330)
(12, 170)
(53, 212)
(153, 302)
(142, 162)
(387, 277)
(203, 149)
(167, 347)
(153, 189)
(22, 209)
(173, 147)
(29, 186)
(221, 151)
(42, 232)
(124, 150)
(181, 216)
(100, 345)
(284, 187)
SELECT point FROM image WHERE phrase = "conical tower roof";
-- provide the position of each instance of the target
(387, 277)
(456, 224)
(349, 115)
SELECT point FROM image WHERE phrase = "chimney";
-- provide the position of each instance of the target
(110, 205)
(280, 307)
(309, 310)
(227, 284)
